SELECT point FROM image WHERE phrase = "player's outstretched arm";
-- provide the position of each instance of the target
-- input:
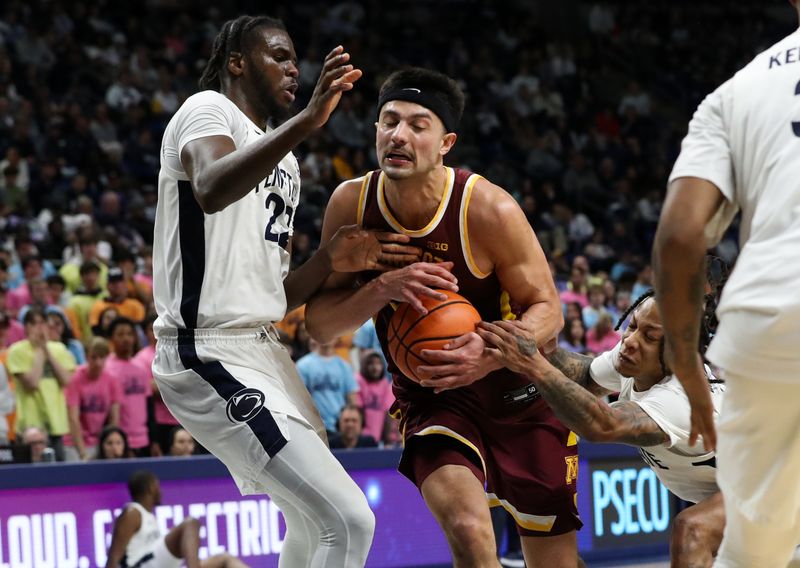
(577, 368)
(341, 306)
(572, 398)
(679, 263)
(221, 174)
(125, 527)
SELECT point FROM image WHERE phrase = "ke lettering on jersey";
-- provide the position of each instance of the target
(791, 55)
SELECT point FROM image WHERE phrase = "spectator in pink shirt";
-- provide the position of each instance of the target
(21, 296)
(11, 330)
(374, 394)
(602, 337)
(165, 422)
(135, 383)
(93, 400)
(576, 287)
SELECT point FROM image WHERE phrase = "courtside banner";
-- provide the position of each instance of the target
(70, 526)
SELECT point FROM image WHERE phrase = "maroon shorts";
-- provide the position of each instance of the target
(527, 461)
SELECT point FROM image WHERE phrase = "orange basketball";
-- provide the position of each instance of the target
(410, 332)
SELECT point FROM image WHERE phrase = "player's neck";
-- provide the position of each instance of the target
(415, 200)
(240, 100)
(641, 384)
(147, 503)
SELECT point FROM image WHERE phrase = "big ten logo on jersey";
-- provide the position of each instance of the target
(434, 250)
(280, 216)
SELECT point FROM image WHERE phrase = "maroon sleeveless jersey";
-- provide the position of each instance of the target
(447, 238)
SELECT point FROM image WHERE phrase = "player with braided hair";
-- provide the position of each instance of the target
(652, 412)
(228, 189)
(716, 276)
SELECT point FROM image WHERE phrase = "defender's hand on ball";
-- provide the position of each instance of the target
(462, 362)
(513, 345)
(353, 249)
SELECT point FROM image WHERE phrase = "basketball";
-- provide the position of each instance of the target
(410, 332)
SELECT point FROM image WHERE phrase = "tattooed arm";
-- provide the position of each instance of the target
(576, 368)
(568, 391)
(679, 263)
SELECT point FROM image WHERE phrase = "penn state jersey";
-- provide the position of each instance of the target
(226, 269)
(745, 138)
(141, 548)
(689, 472)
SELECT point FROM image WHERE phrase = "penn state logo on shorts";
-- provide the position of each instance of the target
(244, 405)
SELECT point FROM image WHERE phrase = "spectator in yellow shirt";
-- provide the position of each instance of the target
(41, 370)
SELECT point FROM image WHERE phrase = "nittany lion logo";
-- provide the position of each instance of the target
(244, 405)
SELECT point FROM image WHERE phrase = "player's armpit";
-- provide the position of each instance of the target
(635, 427)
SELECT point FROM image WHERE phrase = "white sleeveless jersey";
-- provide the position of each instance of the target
(745, 139)
(689, 472)
(223, 270)
(142, 546)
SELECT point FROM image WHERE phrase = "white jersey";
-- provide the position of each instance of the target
(689, 472)
(745, 139)
(142, 546)
(224, 270)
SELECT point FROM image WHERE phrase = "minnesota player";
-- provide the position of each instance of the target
(493, 441)
(652, 413)
(228, 189)
(741, 152)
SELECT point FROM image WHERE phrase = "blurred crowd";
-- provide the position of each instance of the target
(553, 115)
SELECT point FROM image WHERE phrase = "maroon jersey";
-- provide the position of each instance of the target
(446, 238)
(527, 458)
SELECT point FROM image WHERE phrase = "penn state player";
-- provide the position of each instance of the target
(741, 152)
(491, 442)
(228, 189)
(652, 413)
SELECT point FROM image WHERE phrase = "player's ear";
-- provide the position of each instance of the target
(235, 63)
(448, 141)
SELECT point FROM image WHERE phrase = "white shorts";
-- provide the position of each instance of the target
(163, 558)
(234, 390)
(758, 459)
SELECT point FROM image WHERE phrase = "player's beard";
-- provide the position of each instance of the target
(269, 105)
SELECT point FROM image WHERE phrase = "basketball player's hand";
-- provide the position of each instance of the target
(513, 344)
(415, 280)
(462, 362)
(353, 249)
(695, 383)
(336, 77)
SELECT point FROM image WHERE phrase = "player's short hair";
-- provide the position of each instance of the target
(433, 83)
(140, 482)
(232, 38)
